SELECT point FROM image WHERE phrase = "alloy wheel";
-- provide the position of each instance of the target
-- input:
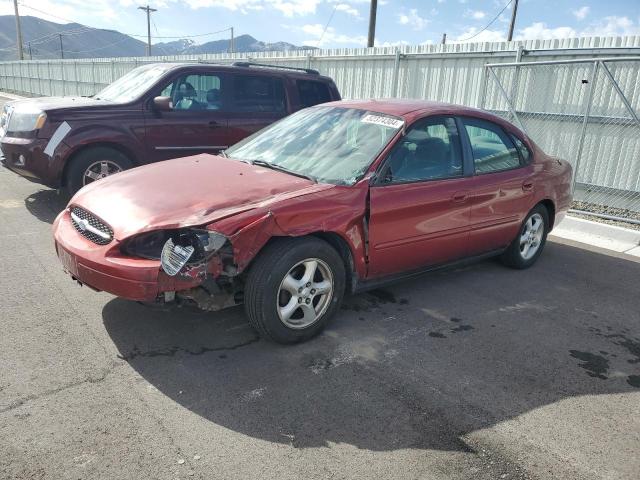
(305, 293)
(531, 236)
(99, 170)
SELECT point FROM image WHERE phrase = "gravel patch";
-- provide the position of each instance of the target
(622, 213)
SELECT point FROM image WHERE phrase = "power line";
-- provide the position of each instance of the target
(123, 33)
(488, 24)
(327, 25)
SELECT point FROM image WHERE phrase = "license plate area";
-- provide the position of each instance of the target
(69, 262)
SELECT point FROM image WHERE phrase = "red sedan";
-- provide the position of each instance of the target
(333, 199)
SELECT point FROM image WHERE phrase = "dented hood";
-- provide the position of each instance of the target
(185, 192)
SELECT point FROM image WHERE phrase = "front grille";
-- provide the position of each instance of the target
(90, 226)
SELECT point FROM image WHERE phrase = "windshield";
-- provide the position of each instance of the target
(330, 144)
(133, 84)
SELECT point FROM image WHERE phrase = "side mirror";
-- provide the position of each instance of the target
(163, 104)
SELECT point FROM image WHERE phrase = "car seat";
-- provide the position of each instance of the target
(213, 99)
(186, 98)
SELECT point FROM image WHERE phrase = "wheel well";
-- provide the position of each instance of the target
(119, 148)
(342, 247)
(551, 209)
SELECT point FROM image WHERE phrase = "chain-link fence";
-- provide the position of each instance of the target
(585, 112)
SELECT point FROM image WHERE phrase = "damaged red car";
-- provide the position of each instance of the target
(331, 200)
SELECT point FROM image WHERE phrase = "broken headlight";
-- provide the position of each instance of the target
(175, 248)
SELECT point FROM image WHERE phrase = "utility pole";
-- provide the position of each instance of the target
(30, 54)
(18, 31)
(444, 38)
(232, 47)
(149, 10)
(372, 23)
(513, 20)
(61, 49)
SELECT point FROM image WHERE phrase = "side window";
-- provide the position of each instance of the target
(312, 93)
(195, 92)
(492, 149)
(430, 150)
(525, 153)
(254, 93)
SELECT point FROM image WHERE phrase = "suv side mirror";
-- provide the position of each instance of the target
(163, 104)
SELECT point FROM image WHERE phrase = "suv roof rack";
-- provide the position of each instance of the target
(310, 71)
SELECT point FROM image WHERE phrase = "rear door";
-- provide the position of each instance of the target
(256, 101)
(502, 186)
(419, 210)
(198, 120)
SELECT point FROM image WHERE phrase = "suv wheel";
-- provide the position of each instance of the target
(95, 164)
(293, 289)
(527, 246)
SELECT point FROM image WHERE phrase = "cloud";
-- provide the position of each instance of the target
(581, 13)
(612, 26)
(348, 9)
(476, 14)
(315, 31)
(472, 35)
(289, 8)
(540, 30)
(412, 19)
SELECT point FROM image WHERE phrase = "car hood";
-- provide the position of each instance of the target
(54, 103)
(188, 191)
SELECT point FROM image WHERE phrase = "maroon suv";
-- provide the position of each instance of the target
(155, 112)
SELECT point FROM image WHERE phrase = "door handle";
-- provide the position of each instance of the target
(527, 186)
(214, 124)
(459, 197)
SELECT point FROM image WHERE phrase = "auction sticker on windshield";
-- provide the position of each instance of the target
(384, 121)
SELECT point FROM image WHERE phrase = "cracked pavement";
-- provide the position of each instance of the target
(482, 372)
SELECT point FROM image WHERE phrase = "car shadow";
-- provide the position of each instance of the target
(416, 365)
(45, 205)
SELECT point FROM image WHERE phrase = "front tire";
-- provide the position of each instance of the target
(293, 289)
(530, 241)
(94, 164)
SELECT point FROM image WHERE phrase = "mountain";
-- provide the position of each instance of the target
(243, 43)
(78, 41)
(41, 40)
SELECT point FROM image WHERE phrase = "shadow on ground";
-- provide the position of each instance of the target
(46, 204)
(417, 365)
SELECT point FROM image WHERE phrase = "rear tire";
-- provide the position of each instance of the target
(93, 164)
(530, 241)
(293, 289)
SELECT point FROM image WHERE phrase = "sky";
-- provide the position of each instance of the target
(344, 23)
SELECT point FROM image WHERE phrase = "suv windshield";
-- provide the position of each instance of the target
(331, 144)
(133, 84)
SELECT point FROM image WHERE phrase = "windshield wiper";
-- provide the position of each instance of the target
(279, 168)
(222, 153)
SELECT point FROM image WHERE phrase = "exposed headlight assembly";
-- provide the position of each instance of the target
(175, 248)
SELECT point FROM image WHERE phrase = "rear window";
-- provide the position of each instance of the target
(312, 93)
(254, 93)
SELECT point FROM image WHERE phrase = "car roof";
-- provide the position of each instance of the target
(410, 109)
(271, 69)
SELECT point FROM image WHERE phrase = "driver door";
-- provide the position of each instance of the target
(420, 206)
(198, 121)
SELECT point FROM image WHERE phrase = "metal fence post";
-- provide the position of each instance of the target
(75, 73)
(62, 77)
(93, 77)
(396, 74)
(50, 79)
(483, 86)
(585, 121)
(516, 76)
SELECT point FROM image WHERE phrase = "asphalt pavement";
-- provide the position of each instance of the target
(477, 373)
